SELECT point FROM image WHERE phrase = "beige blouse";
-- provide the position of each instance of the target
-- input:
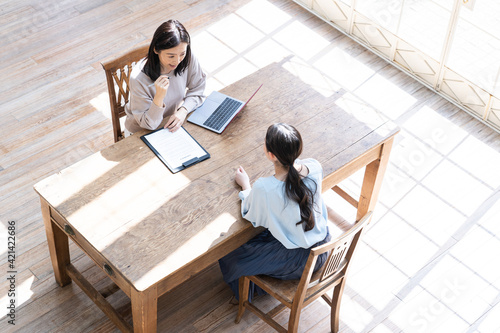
(185, 90)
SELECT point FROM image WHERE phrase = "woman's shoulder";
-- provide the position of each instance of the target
(193, 57)
(138, 75)
(264, 183)
(194, 64)
(312, 164)
(268, 188)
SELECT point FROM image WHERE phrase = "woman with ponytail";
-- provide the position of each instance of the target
(289, 205)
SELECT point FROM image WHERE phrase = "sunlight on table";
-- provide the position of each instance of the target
(188, 251)
(76, 181)
(360, 110)
(131, 208)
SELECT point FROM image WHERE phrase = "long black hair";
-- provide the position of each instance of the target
(168, 35)
(285, 142)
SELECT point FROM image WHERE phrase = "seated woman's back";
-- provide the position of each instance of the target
(267, 205)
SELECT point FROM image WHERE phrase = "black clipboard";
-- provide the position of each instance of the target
(159, 142)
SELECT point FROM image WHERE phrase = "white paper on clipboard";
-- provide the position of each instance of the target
(177, 150)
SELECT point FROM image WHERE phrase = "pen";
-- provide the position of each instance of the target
(152, 84)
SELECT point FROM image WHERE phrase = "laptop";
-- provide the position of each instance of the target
(217, 111)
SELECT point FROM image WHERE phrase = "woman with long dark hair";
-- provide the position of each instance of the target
(168, 83)
(289, 205)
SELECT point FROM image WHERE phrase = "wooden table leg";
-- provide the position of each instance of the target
(372, 182)
(144, 309)
(58, 246)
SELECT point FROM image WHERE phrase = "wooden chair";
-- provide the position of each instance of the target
(118, 71)
(296, 294)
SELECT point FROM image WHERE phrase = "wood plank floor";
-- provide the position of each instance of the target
(426, 264)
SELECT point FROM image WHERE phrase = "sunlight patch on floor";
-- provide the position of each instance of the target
(235, 33)
(211, 53)
(385, 96)
(454, 185)
(263, 15)
(435, 130)
(311, 76)
(302, 41)
(266, 53)
(18, 290)
(422, 312)
(344, 69)
(355, 316)
(101, 104)
(253, 37)
(478, 159)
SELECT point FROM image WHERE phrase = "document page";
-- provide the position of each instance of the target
(175, 148)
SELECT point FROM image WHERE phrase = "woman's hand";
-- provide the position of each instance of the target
(161, 85)
(241, 178)
(177, 119)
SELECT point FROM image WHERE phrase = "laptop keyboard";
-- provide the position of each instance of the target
(219, 117)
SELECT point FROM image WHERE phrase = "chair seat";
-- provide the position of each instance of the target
(285, 290)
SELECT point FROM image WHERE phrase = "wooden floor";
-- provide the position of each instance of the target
(429, 261)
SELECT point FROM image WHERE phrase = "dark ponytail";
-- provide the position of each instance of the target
(285, 142)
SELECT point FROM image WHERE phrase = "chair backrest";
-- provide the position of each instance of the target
(341, 251)
(118, 71)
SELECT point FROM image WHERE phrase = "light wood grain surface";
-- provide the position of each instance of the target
(51, 53)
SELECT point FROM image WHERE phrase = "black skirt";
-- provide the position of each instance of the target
(265, 255)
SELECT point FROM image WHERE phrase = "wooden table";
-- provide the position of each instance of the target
(150, 230)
